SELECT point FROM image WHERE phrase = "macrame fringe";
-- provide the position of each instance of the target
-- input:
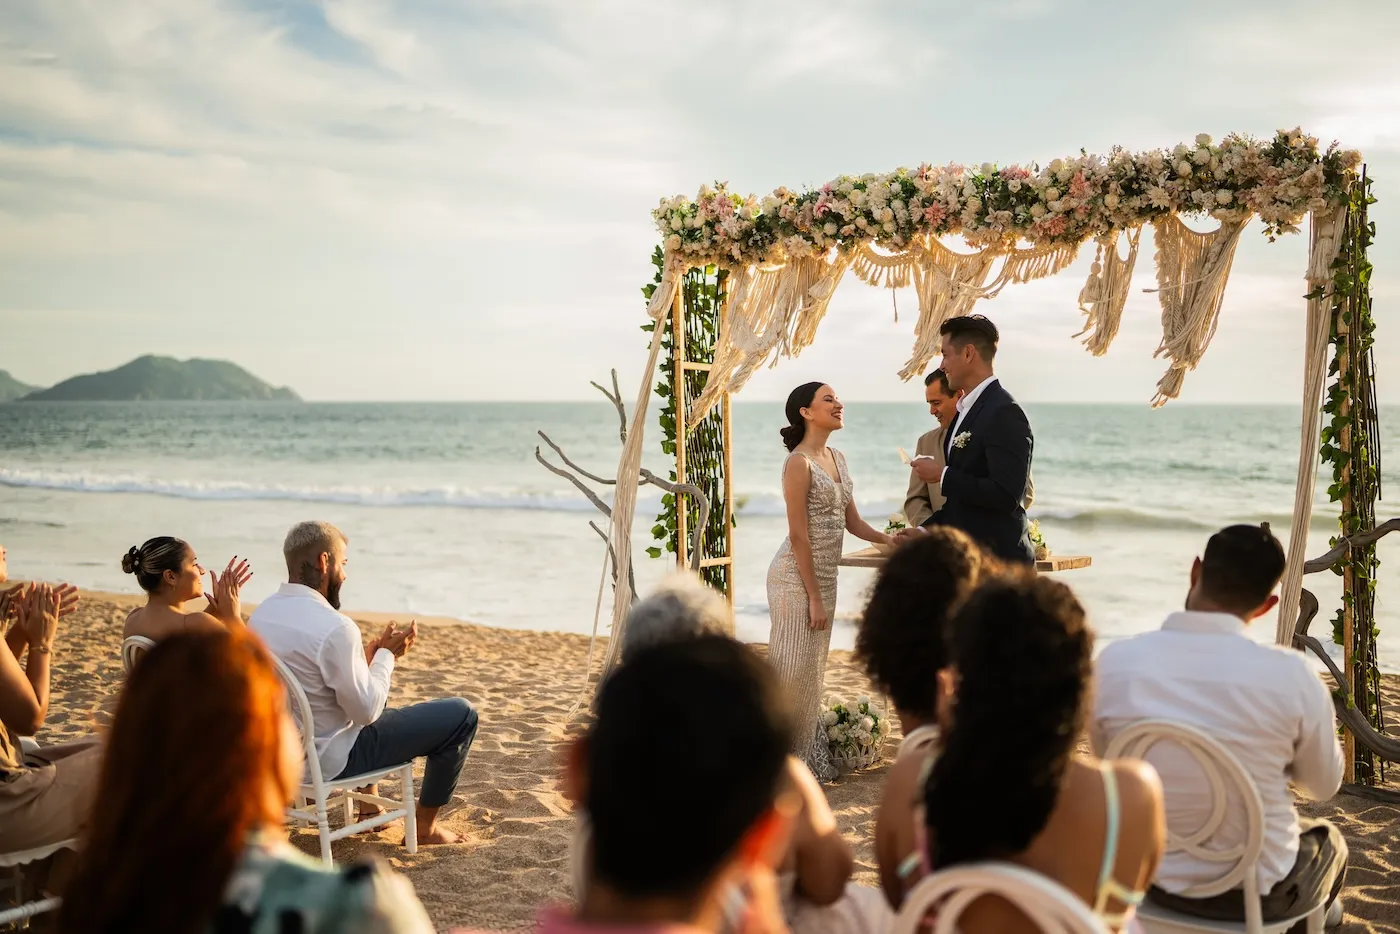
(1106, 291)
(1192, 270)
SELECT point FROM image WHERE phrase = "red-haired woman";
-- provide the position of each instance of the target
(188, 830)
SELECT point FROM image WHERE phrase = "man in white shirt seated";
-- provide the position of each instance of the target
(1262, 702)
(347, 684)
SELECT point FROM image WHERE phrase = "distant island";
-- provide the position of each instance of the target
(12, 389)
(165, 379)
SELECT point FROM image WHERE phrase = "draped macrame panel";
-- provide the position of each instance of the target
(1192, 269)
(1106, 292)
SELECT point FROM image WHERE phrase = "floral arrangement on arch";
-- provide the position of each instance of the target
(1067, 202)
(856, 733)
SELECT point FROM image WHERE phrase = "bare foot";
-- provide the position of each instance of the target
(437, 835)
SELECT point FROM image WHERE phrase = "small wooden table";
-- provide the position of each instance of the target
(872, 557)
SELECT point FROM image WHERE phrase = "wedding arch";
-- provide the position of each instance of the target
(744, 281)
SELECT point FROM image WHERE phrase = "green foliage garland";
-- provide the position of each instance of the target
(1351, 445)
(701, 291)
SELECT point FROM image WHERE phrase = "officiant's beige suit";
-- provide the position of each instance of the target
(924, 499)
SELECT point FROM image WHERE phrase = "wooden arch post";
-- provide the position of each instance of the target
(704, 455)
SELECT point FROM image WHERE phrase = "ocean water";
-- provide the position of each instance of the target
(449, 514)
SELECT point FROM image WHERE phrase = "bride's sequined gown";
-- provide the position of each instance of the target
(796, 651)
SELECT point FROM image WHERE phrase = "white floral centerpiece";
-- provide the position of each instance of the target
(856, 733)
(896, 525)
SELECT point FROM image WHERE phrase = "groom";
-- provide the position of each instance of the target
(987, 450)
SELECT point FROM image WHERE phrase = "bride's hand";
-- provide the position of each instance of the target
(816, 614)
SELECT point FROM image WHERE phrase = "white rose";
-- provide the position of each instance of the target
(1052, 194)
(675, 222)
(1056, 166)
(1183, 168)
(1037, 210)
(861, 223)
(1056, 206)
(829, 229)
(1014, 185)
(1180, 151)
(1110, 201)
(1201, 157)
(858, 198)
(988, 169)
(1203, 139)
(1224, 196)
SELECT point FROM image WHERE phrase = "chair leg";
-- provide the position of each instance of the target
(1317, 919)
(349, 808)
(410, 806)
(323, 827)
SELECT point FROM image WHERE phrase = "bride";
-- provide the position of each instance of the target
(802, 577)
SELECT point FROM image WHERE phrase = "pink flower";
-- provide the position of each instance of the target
(1014, 171)
(934, 214)
(1052, 227)
(1078, 187)
(822, 208)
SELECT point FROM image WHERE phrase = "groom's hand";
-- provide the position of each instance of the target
(905, 535)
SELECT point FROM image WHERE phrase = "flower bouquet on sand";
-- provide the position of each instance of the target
(856, 733)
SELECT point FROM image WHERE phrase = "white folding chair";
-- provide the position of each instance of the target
(321, 792)
(133, 647)
(1240, 863)
(23, 911)
(1050, 906)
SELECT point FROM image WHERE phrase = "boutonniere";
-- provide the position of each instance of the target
(960, 441)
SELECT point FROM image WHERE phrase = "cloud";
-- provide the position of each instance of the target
(354, 181)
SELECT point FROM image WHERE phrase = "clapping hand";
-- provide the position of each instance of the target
(398, 640)
(223, 601)
(38, 614)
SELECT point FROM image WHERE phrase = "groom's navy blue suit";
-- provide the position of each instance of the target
(985, 482)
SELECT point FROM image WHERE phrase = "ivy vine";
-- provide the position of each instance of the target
(702, 293)
(1351, 445)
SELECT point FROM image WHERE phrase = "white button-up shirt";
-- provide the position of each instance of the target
(1262, 702)
(322, 648)
(964, 406)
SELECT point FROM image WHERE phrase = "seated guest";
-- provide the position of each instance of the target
(44, 793)
(925, 495)
(900, 642)
(188, 833)
(667, 853)
(817, 894)
(1262, 702)
(170, 573)
(1007, 784)
(347, 683)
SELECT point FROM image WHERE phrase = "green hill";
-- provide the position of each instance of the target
(12, 389)
(152, 378)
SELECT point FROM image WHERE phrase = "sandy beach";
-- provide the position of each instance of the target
(509, 810)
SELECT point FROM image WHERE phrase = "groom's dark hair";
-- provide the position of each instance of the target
(687, 753)
(975, 330)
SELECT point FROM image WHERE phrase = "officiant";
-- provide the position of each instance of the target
(925, 498)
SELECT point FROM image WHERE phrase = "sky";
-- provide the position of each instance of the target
(450, 199)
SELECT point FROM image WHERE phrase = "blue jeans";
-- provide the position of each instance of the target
(441, 730)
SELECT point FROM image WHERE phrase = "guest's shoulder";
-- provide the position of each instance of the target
(274, 880)
(1123, 652)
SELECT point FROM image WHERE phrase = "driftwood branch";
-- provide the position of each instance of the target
(572, 472)
(1387, 747)
(615, 397)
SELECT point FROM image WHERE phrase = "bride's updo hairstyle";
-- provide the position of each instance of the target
(1023, 655)
(799, 399)
(150, 562)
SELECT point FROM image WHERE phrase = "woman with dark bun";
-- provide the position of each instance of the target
(802, 578)
(1007, 783)
(902, 645)
(169, 571)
